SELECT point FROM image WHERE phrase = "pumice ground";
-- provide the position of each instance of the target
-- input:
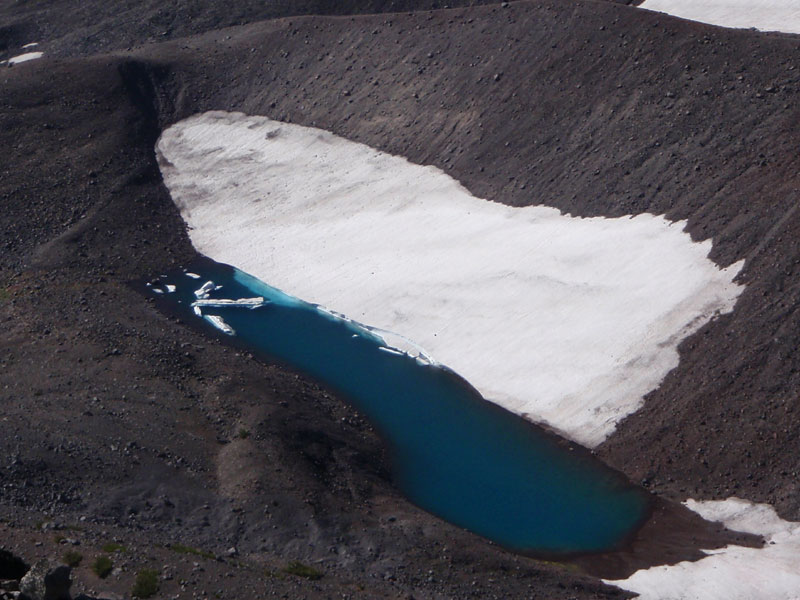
(126, 433)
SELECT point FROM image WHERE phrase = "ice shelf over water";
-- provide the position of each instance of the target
(766, 15)
(568, 321)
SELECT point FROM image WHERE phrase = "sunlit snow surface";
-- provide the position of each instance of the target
(24, 57)
(766, 15)
(568, 321)
(733, 572)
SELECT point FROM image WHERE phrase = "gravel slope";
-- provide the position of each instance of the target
(118, 414)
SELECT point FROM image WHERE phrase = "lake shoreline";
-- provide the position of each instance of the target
(667, 532)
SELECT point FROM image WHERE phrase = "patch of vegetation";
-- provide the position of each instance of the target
(274, 574)
(146, 584)
(112, 547)
(58, 538)
(184, 549)
(300, 570)
(244, 433)
(72, 558)
(102, 566)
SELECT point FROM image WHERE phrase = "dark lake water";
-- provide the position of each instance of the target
(453, 453)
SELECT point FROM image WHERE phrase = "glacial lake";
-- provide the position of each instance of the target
(453, 453)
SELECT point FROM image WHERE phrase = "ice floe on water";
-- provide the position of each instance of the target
(766, 15)
(203, 301)
(568, 321)
(204, 290)
(227, 303)
(733, 572)
(220, 324)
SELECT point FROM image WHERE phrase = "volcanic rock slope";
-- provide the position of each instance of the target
(156, 435)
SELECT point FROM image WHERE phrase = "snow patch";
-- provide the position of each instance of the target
(733, 572)
(564, 320)
(25, 57)
(766, 15)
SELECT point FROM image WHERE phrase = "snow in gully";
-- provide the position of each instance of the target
(566, 321)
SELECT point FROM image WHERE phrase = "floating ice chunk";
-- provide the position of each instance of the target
(224, 302)
(192, 275)
(206, 289)
(220, 324)
(170, 288)
(31, 45)
(197, 310)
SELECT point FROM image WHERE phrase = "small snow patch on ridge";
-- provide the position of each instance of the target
(25, 57)
(766, 15)
(733, 572)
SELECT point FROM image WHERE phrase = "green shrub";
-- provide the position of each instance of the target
(184, 549)
(300, 570)
(102, 566)
(146, 584)
(112, 547)
(244, 433)
(72, 558)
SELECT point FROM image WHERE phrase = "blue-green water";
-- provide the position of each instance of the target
(453, 453)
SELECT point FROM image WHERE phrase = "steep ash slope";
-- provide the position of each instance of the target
(594, 108)
(125, 425)
(597, 110)
(75, 28)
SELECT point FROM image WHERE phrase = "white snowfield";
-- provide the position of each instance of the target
(733, 572)
(766, 15)
(24, 57)
(564, 320)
